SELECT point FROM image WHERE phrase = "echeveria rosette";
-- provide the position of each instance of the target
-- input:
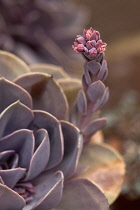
(51, 156)
(43, 93)
(33, 142)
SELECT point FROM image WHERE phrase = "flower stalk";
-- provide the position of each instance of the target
(95, 94)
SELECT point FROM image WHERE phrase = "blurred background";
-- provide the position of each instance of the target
(42, 31)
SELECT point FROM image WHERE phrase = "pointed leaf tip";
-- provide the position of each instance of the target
(44, 89)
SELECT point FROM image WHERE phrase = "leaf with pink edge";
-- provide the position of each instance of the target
(95, 91)
(9, 199)
(14, 117)
(93, 67)
(22, 142)
(93, 127)
(53, 127)
(87, 76)
(102, 101)
(105, 167)
(102, 71)
(12, 176)
(82, 194)
(10, 93)
(41, 155)
(73, 143)
(82, 102)
(47, 95)
(49, 188)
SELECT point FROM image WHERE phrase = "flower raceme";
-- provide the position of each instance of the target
(89, 43)
(89, 102)
(94, 94)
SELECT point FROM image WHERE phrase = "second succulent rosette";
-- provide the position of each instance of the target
(37, 150)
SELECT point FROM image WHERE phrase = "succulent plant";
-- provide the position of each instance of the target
(48, 157)
(34, 141)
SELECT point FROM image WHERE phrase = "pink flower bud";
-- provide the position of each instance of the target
(81, 40)
(89, 44)
(78, 47)
(93, 51)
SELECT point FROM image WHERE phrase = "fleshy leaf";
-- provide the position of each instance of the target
(73, 143)
(82, 194)
(6, 154)
(16, 116)
(102, 71)
(85, 85)
(94, 126)
(49, 189)
(11, 66)
(56, 71)
(22, 142)
(46, 93)
(82, 102)
(41, 155)
(11, 156)
(9, 199)
(52, 125)
(87, 75)
(10, 93)
(70, 87)
(95, 91)
(12, 176)
(105, 75)
(93, 67)
(105, 167)
(102, 101)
